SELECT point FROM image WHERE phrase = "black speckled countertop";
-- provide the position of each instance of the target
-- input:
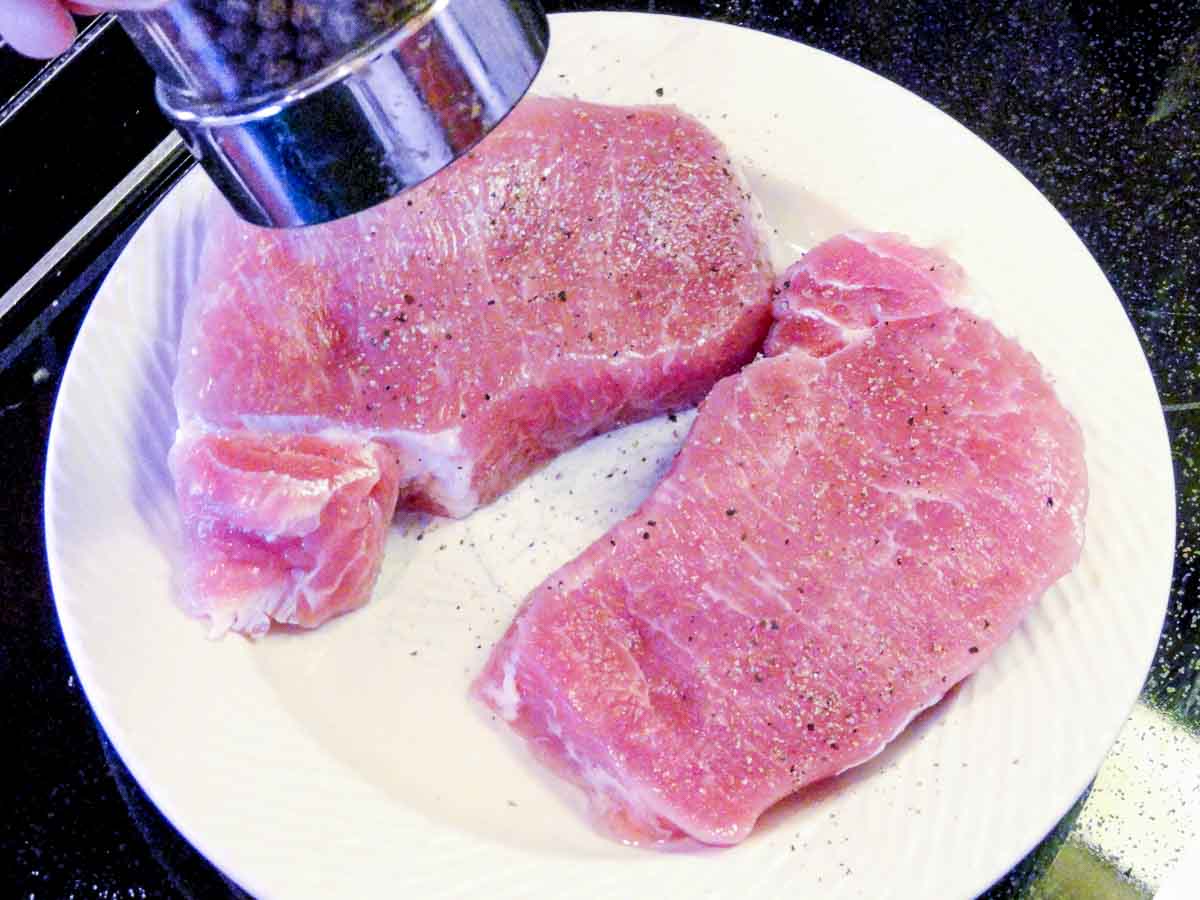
(1098, 104)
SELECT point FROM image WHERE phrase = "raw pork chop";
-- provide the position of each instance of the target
(585, 267)
(292, 526)
(853, 525)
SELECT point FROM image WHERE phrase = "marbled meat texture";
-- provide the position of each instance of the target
(854, 524)
(586, 266)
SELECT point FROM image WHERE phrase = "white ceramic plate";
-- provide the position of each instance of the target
(350, 762)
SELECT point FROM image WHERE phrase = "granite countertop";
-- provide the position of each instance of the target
(1098, 104)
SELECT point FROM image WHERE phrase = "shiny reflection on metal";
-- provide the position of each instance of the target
(373, 125)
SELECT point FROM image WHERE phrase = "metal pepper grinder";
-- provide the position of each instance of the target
(303, 111)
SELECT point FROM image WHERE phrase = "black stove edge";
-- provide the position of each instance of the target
(71, 131)
(87, 250)
(35, 85)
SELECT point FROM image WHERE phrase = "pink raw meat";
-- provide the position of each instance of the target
(282, 527)
(853, 525)
(585, 267)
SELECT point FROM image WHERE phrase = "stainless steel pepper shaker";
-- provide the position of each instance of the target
(303, 111)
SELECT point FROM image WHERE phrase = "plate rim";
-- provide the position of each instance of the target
(160, 794)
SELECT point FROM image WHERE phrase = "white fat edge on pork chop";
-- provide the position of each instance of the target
(433, 458)
(278, 602)
(609, 793)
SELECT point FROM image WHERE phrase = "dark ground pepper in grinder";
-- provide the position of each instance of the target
(261, 45)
